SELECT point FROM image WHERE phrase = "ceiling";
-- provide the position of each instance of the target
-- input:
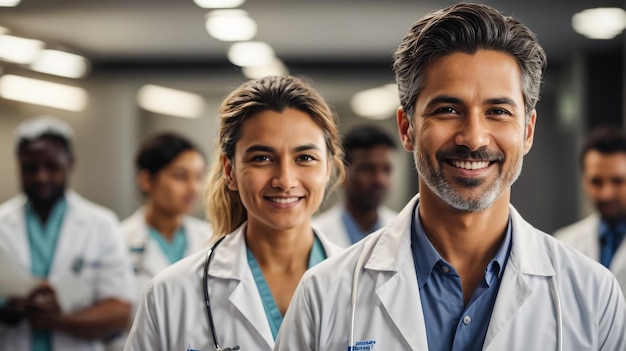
(312, 32)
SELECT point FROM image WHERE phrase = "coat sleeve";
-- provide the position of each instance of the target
(116, 278)
(144, 334)
(299, 328)
(613, 319)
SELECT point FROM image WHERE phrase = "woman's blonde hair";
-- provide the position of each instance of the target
(224, 208)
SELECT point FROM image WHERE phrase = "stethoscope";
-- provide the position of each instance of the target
(367, 251)
(207, 301)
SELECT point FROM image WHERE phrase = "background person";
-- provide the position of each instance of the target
(278, 149)
(459, 268)
(170, 172)
(368, 158)
(600, 235)
(74, 246)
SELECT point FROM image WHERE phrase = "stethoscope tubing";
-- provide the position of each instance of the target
(207, 300)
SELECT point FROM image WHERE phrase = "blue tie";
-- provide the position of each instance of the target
(609, 244)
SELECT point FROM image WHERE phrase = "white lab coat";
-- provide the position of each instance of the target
(172, 314)
(330, 223)
(89, 232)
(389, 311)
(152, 260)
(583, 235)
(148, 258)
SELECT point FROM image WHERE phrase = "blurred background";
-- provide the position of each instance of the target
(120, 70)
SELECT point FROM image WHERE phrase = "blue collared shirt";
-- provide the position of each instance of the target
(354, 231)
(610, 240)
(451, 326)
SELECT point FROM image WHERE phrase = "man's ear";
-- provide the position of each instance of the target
(405, 129)
(229, 174)
(530, 132)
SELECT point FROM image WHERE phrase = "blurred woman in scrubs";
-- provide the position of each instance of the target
(170, 172)
(277, 151)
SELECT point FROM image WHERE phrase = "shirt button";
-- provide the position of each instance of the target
(445, 269)
(467, 320)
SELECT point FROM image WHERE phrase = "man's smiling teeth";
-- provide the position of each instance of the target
(470, 164)
(282, 200)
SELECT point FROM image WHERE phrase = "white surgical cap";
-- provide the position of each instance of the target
(35, 128)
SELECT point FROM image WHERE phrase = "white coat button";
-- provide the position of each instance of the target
(467, 320)
(445, 269)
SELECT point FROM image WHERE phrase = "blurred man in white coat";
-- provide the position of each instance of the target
(459, 268)
(73, 246)
(368, 158)
(600, 235)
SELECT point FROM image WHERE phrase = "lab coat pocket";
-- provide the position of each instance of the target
(75, 288)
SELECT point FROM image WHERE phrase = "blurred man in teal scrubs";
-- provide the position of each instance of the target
(71, 245)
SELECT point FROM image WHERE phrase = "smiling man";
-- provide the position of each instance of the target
(459, 268)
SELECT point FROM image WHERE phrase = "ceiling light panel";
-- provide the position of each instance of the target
(251, 53)
(19, 50)
(600, 23)
(172, 102)
(231, 25)
(60, 63)
(40, 92)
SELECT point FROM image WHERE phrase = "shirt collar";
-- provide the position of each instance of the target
(426, 256)
(605, 229)
(354, 231)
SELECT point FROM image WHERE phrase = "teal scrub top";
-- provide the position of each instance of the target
(174, 250)
(42, 240)
(274, 317)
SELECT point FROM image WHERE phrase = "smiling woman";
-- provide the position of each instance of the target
(277, 152)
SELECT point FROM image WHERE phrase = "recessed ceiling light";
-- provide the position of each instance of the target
(376, 103)
(600, 23)
(19, 50)
(231, 25)
(60, 63)
(250, 53)
(170, 101)
(219, 4)
(275, 68)
(40, 92)
(9, 3)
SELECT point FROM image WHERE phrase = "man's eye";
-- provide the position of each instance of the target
(499, 111)
(446, 110)
(260, 158)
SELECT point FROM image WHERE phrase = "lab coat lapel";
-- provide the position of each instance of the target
(197, 238)
(246, 299)
(71, 239)
(587, 240)
(528, 259)
(245, 296)
(154, 259)
(15, 242)
(391, 256)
